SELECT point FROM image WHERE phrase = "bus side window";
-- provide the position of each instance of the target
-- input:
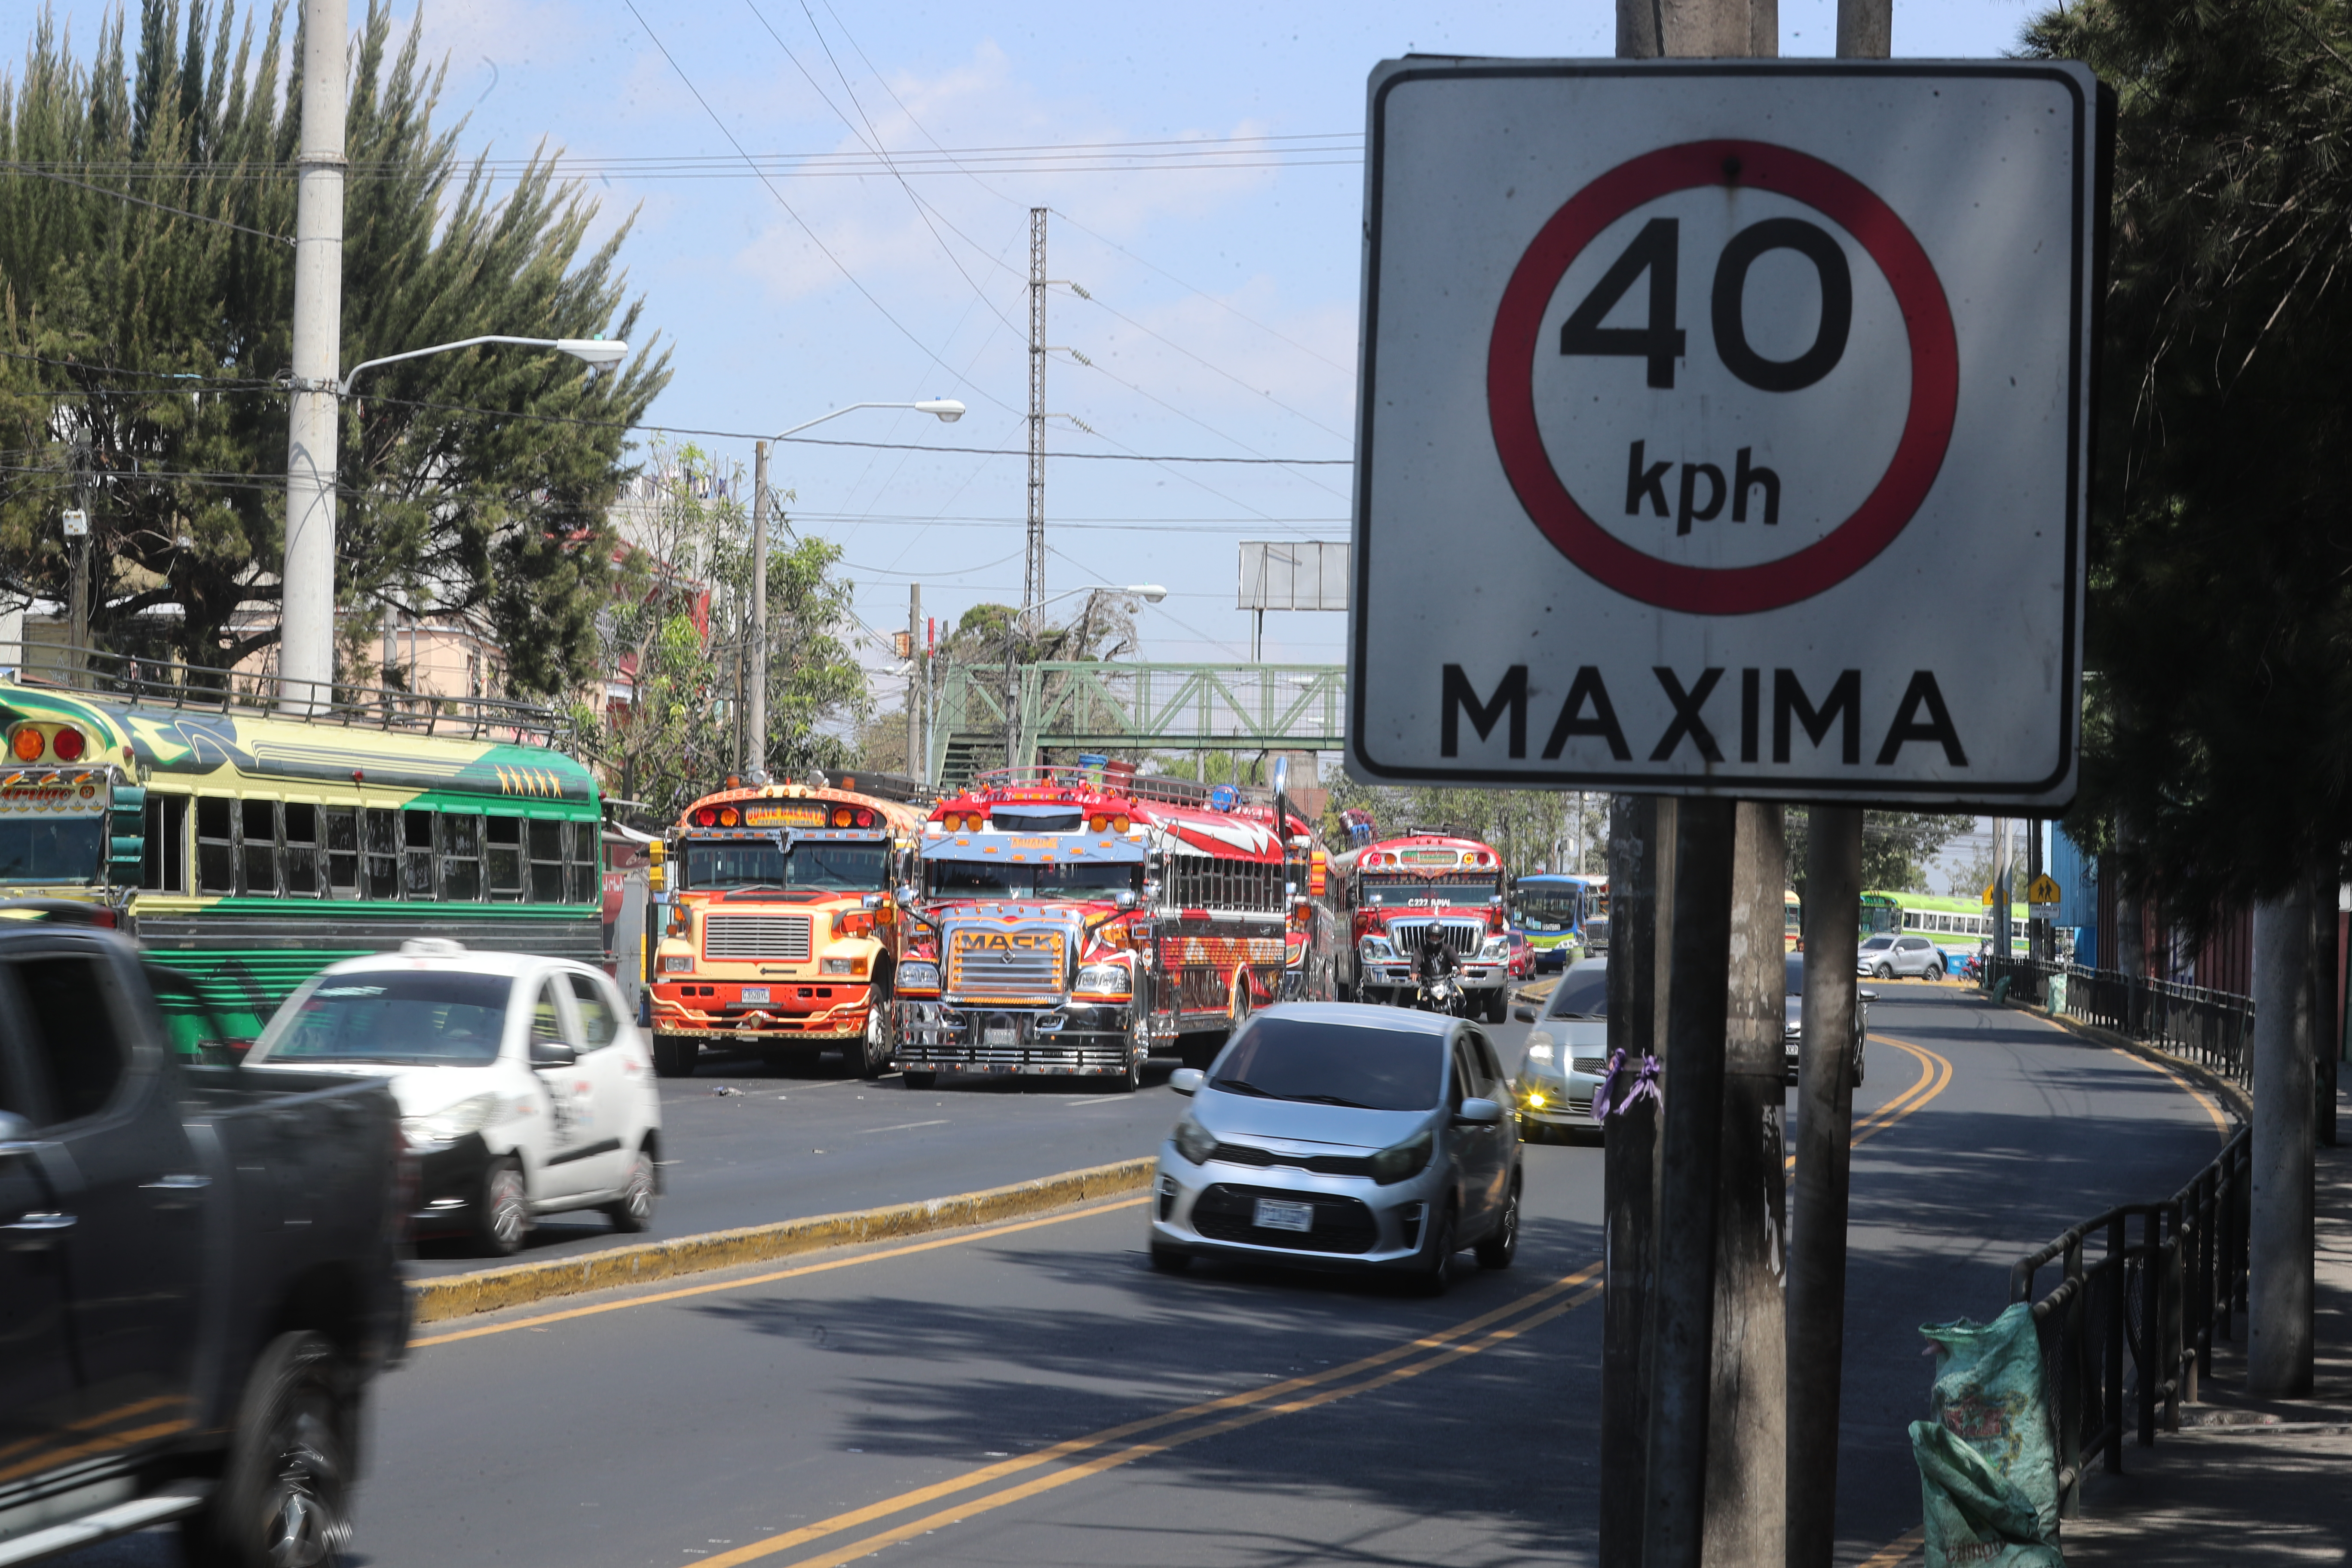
(216, 846)
(342, 852)
(382, 860)
(417, 879)
(461, 856)
(301, 855)
(163, 867)
(260, 848)
(502, 850)
(546, 861)
(584, 875)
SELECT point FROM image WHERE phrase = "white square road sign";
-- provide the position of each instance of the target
(1724, 428)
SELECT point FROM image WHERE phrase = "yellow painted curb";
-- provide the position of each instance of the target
(519, 1284)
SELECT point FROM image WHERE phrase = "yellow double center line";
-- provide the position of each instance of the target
(1080, 1457)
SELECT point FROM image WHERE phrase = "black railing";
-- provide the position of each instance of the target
(2131, 1331)
(2212, 1028)
(170, 683)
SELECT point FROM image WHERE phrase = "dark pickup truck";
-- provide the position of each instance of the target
(199, 1268)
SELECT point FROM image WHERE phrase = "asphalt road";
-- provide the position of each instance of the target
(1034, 1394)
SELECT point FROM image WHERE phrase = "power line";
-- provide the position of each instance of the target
(143, 202)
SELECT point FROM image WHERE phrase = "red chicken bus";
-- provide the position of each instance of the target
(1400, 894)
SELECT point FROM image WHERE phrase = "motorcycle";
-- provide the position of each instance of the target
(1437, 983)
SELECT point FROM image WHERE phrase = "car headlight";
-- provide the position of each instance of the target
(1404, 1161)
(1377, 947)
(836, 966)
(678, 964)
(1195, 1141)
(452, 1122)
(1104, 979)
(919, 976)
(1541, 1051)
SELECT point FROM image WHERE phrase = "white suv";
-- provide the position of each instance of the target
(1887, 956)
(523, 1085)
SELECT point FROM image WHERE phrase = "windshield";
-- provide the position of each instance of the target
(1334, 1064)
(409, 1017)
(1475, 887)
(1582, 993)
(851, 867)
(1877, 941)
(734, 863)
(59, 850)
(986, 879)
(1549, 910)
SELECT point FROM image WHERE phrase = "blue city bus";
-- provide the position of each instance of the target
(1552, 909)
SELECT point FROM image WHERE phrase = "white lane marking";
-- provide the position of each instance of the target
(1102, 1100)
(902, 1126)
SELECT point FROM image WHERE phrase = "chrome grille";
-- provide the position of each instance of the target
(996, 962)
(782, 937)
(1462, 936)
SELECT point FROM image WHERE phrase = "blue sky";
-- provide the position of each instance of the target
(1222, 264)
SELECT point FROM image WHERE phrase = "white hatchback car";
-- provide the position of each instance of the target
(523, 1085)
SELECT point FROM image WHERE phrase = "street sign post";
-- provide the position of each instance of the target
(1723, 427)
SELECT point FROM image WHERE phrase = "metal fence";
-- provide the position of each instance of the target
(2212, 1028)
(2128, 1333)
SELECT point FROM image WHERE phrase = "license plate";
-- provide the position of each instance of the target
(1274, 1213)
(754, 994)
(1000, 1036)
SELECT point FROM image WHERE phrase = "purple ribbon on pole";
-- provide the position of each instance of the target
(1645, 1087)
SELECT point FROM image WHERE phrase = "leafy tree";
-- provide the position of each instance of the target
(2217, 755)
(1896, 847)
(146, 296)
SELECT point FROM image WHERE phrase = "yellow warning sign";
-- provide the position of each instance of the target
(2044, 891)
(1987, 900)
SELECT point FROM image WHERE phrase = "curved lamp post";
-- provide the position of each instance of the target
(1150, 593)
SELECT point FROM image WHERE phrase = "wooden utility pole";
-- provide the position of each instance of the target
(1638, 827)
(914, 680)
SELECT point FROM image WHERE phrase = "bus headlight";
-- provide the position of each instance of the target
(1376, 948)
(1498, 947)
(835, 966)
(678, 964)
(919, 976)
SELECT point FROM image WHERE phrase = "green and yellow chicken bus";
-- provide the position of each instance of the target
(250, 851)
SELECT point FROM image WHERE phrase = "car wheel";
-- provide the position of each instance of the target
(912, 1079)
(1437, 1264)
(502, 1213)
(1497, 1250)
(284, 1500)
(634, 1209)
(1884, 972)
(874, 1054)
(1169, 1259)
(674, 1056)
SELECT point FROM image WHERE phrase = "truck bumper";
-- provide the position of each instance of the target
(1070, 1041)
(827, 1013)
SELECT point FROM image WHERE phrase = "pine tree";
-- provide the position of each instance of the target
(145, 317)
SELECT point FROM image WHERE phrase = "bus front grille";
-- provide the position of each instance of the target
(780, 937)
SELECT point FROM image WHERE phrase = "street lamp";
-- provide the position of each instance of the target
(306, 624)
(755, 705)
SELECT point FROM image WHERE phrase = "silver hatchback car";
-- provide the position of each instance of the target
(1887, 955)
(1343, 1136)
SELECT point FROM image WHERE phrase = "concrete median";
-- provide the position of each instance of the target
(520, 1284)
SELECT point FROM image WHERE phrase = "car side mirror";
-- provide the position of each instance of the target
(1187, 1080)
(1868, 996)
(1524, 1014)
(1478, 1111)
(551, 1054)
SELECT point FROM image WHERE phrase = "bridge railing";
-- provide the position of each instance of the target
(1115, 706)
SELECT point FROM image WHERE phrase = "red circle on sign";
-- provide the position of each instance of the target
(1926, 429)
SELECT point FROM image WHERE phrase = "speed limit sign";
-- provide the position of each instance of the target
(1724, 428)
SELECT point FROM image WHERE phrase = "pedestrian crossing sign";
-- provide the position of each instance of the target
(2044, 891)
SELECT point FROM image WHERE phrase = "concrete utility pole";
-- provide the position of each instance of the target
(755, 709)
(1032, 579)
(1639, 825)
(914, 680)
(2280, 1238)
(306, 630)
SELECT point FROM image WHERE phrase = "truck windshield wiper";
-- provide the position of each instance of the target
(1242, 1086)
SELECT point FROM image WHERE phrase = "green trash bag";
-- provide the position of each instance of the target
(1988, 1470)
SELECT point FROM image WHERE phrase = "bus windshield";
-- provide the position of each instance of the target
(1473, 887)
(756, 863)
(1020, 879)
(59, 850)
(1549, 909)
